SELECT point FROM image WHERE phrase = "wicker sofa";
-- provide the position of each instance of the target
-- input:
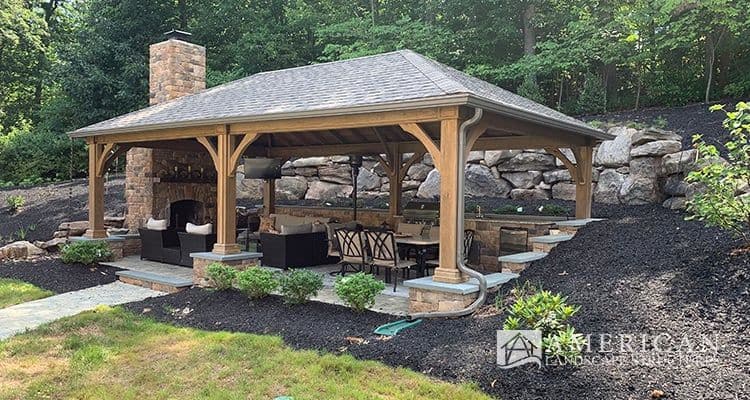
(171, 247)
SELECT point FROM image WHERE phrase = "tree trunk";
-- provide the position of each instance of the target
(529, 33)
(709, 67)
(374, 11)
(182, 9)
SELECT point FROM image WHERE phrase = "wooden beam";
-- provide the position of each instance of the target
(473, 135)
(584, 161)
(226, 193)
(269, 196)
(419, 133)
(362, 120)
(575, 172)
(248, 139)
(160, 134)
(417, 156)
(448, 270)
(523, 128)
(96, 193)
(211, 150)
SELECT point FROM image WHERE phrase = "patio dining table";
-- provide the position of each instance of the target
(421, 244)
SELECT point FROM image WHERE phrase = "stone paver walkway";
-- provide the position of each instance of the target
(21, 317)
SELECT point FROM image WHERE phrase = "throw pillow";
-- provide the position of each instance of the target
(267, 224)
(156, 224)
(199, 229)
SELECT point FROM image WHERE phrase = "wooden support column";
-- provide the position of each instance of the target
(584, 161)
(449, 154)
(226, 192)
(269, 196)
(96, 191)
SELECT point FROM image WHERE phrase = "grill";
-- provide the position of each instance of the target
(420, 211)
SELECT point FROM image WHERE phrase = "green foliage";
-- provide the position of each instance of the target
(507, 209)
(723, 201)
(221, 276)
(547, 312)
(530, 89)
(553, 209)
(358, 290)
(15, 202)
(87, 252)
(592, 99)
(257, 282)
(299, 285)
(34, 157)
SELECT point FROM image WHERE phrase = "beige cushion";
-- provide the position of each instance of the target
(313, 220)
(199, 229)
(296, 229)
(156, 224)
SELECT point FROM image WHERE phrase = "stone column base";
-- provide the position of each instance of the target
(240, 261)
(423, 300)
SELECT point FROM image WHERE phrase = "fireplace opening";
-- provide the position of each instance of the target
(184, 211)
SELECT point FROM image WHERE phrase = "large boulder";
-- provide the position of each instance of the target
(526, 162)
(558, 175)
(640, 189)
(681, 161)
(427, 160)
(409, 185)
(291, 188)
(615, 153)
(475, 156)
(492, 158)
(337, 173)
(675, 185)
(21, 249)
(306, 171)
(656, 148)
(479, 183)
(675, 203)
(646, 166)
(608, 188)
(523, 180)
(368, 180)
(564, 191)
(52, 244)
(309, 162)
(529, 194)
(653, 134)
(319, 190)
(74, 228)
(430, 188)
(418, 171)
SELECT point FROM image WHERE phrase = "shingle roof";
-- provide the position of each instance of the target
(396, 78)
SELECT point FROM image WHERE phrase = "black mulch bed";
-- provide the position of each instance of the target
(49, 205)
(52, 274)
(686, 121)
(646, 270)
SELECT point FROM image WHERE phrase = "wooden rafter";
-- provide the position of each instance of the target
(405, 167)
(211, 150)
(240, 149)
(572, 168)
(425, 139)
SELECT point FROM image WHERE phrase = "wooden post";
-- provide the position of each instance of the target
(449, 152)
(269, 196)
(226, 193)
(584, 162)
(96, 192)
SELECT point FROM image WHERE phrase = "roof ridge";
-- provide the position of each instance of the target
(324, 63)
(409, 56)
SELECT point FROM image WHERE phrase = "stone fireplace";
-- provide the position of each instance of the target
(158, 179)
(183, 211)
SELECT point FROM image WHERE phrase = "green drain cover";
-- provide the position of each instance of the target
(393, 328)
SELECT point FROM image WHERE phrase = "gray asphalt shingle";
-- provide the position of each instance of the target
(389, 78)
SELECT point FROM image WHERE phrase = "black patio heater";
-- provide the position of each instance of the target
(355, 161)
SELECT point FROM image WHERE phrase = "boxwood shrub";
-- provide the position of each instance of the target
(358, 290)
(87, 252)
(299, 285)
(256, 282)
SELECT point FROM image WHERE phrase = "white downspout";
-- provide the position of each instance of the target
(461, 177)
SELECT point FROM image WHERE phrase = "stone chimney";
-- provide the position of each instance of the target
(155, 179)
(177, 68)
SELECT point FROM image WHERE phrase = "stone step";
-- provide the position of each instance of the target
(161, 283)
(546, 243)
(572, 225)
(494, 280)
(518, 262)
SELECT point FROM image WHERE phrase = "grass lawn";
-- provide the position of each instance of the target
(111, 353)
(15, 292)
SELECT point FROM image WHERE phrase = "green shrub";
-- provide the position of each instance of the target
(221, 276)
(592, 99)
(553, 209)
(547, 312)
(722, 202)
(256, 282)
(15, 202)
(299, 285)
(358, 290)
(86, 252)
(507, 209)
(529, 88)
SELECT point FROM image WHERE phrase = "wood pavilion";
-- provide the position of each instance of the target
(389, 105)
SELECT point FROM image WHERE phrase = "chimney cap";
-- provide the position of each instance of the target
(179, 35)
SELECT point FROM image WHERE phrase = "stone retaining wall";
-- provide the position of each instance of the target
(638, 167)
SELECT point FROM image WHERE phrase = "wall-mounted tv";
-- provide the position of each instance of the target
(262, 168)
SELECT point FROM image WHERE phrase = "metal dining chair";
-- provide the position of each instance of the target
(384, 253)
(352, 249)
